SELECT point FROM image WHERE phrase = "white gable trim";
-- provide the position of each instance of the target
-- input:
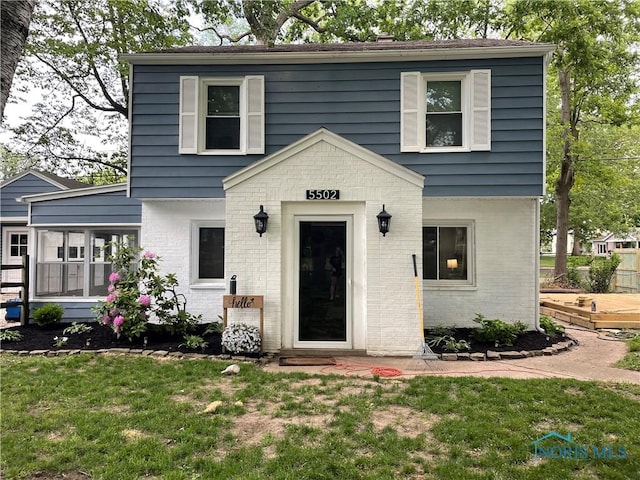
(15, 220)
(323, 135)
(76, 192)
(36, 174)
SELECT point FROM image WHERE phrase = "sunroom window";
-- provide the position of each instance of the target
(63, 268)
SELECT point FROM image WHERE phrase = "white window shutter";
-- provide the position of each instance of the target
(410, 102)
(255, 114)
(188, 124)
(480, 110)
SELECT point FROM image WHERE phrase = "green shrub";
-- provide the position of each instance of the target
(550, 327)
(214, 328)
(76, 328)
(10, 336)
(573, 277)
(601, 271)
(634, 344)
(579, 260)
(448, 343)
(442, 331)
(194, 342)
(49, 314)
(496, 331)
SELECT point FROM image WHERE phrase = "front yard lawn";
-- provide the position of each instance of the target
(631, 360)
(130, 417)
(572, 260)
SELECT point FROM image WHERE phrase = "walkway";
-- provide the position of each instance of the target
(590, 360)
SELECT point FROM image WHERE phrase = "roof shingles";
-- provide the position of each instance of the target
(352, 46)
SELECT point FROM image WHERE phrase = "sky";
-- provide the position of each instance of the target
(20, 106)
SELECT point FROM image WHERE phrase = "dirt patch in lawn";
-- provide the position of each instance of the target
(59, 476)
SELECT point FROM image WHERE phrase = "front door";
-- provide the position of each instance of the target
(323, 295)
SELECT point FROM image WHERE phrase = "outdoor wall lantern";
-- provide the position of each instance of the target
(452, 263)
(384, 219)
(261, 218)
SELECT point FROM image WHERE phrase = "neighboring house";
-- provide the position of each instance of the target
(448, 137)
(70, 230)
(14, 235)
(550, 248)
(606, 243)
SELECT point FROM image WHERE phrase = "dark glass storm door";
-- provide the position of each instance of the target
(323, 296)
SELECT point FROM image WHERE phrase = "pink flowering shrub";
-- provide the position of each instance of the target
(137, 292)
(144, 300)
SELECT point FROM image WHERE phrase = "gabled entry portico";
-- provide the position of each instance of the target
(330, 280)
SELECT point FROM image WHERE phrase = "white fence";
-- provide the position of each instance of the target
(627, 278)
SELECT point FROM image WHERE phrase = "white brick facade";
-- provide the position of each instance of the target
(167, 230)
(383, 306)
(506, 262)
(382, 312)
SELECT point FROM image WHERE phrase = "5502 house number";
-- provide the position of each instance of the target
(323, 194)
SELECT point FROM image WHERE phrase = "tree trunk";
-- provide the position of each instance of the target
(565, 180)
(577, 246)
(261, 22)
(562, 231)
(15, 20)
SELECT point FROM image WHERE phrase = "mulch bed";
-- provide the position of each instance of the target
(102, 337)
(528, 341)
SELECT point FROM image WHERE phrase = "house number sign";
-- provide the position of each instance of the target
(323, 194)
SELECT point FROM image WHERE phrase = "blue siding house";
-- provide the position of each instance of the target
(447, 137)
(70, 230)
(316, 173)
(14, 234)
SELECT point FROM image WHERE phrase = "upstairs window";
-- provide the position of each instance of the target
(221, 116)
(445, 112)
(222, 122)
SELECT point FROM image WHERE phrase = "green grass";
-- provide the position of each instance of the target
(631, 360)
(572, 260)
(117, 417)
(547, 261)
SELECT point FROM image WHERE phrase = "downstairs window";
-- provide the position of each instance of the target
(447, 256)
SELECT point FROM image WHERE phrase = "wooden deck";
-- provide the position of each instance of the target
(612, 310)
